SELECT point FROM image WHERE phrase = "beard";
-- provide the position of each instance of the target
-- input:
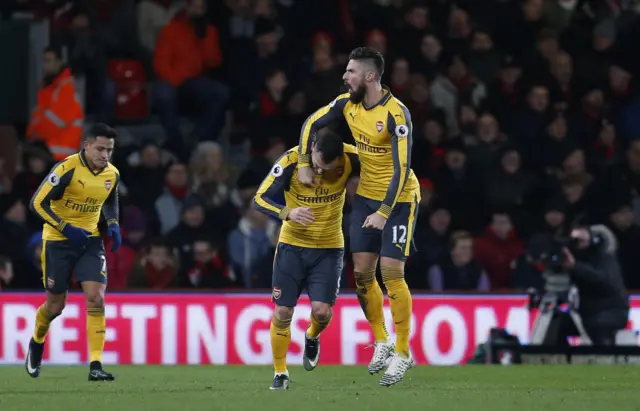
(357, 96)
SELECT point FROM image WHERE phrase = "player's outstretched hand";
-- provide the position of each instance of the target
(116, 237)
(375, 220)
(75, 235)
(301, 215)
(306, 176)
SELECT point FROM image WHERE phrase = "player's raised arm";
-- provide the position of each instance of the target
(321, 118)
(400, 127)
(276, 182)
(52, 188)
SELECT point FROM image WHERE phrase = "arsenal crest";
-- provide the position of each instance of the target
(379, 126)
(107, 184)
(276, 293)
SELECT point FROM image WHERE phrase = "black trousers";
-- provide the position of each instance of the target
(601, 327)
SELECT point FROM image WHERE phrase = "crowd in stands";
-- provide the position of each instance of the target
(526, 119)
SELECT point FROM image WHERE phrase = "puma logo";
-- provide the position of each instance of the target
(81, 183)
(399, 246)
(353, 117)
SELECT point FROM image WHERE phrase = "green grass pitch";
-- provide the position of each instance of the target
(328, 388)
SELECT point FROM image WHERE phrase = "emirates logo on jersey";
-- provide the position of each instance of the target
(107, 184)
(379, 126)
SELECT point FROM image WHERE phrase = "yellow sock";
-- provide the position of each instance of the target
(280, 339)
(96, 332)
(43, 321)
(401, 305)
(317, 326)
(371, 300)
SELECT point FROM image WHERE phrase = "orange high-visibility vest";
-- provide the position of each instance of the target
(58, 118)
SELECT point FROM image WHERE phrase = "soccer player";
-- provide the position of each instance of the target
(310, 249)
(386, 205)
(80, 192)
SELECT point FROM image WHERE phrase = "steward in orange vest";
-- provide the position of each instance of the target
(58, 118)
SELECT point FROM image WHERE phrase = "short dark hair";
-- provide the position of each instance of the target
(53, 49)
(101, 130)
(330, 145)
(458, 236)
(368, 53)
(160, 242)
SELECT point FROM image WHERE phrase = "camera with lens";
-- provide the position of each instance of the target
(547, 253)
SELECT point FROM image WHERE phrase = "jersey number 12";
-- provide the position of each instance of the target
(399, 234)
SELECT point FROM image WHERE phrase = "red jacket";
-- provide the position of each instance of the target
(495, 255)
(119, 266)
(180, 54)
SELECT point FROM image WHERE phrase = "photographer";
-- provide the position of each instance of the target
(604, 303)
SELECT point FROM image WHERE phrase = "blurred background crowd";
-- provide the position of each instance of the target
(526, 119)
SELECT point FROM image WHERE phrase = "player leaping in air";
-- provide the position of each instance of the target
(385, 208)
(80, 192)
(310, 249)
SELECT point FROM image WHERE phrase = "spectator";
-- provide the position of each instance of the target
(504, 92)
(57, 118)
(186, 50)
(116, 23)
(153, 15)
(459, 270)
(529, 122)
(578, 191)
(157, 268)
(248, 244)
(325, 82)
(427, 154)
(418, 98)
(6, 271)
(14, 231)
(554, 217)
(28, 273)
(459, 185)
(484, 59)
(510, 185)
(497, 249)
(428, 60)
(207, 270)
(212, 181)
(485, 146)
(169, 204)
(400, 73)
(87, 57)
(192, 226)
(606, 150)
(146, 177)
(456, 81)
(122, 261)
(628, 235)
(432, 239)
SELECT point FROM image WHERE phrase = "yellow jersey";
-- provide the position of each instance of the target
(74, 194)
(325, 200)
(383, 135)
